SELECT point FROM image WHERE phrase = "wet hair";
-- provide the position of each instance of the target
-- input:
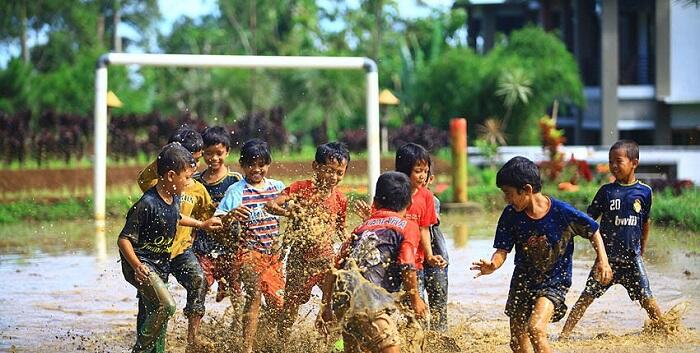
(332, 151)
(518, 172)
(188, 138)
(409, 155)
(254, 150)
(174, 157)
(216, 135)
(630, 147)
(393, 191)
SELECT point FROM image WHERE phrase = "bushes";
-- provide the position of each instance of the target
(679, 211)
(61, 210)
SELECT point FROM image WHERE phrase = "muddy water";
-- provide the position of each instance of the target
(62, 291)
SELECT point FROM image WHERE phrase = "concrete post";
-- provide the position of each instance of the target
(609, 73)
(458, 135)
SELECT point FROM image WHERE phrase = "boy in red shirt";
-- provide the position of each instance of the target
(383, 250)
(317, 212)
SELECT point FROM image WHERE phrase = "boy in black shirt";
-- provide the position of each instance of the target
(145, 242)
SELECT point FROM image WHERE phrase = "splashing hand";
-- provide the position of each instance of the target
(212, 224)
(485, 267)
(141, 273)
(361, 209)
(241, 213)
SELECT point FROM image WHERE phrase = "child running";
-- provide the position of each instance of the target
(145, 243)
(541, 229)
(258, 259)
(383, 249)
(184, 265)
(216, 258)
(624, 207)
(317, 210)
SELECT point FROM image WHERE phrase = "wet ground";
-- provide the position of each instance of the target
(62, 291)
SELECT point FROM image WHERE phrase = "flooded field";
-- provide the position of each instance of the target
(62, 291)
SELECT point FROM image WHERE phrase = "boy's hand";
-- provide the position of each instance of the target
(361, 209)
(419, 307)
(273, 208)
(436, 261)
(602, 272)
(241, 213)
(485, 267)
(141, 273)
(212, 224)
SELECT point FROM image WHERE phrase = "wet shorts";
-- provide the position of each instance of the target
(632, 275)
(362, 333)
(522, 298)
(265, 272)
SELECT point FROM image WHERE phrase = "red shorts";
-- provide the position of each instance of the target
(262, 271)
(221, 267)
(305, 269)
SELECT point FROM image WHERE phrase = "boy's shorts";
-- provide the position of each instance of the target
(363, 333)
(266, 271)
(631, 275)
(223, 266)
(304, 271)
(522, 298)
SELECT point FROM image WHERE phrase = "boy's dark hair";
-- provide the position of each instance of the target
(336, 151)
(254, 150)
(409, 155)
(216, 135)
(518, 172)
(188, 138)
(630, 147)
(174, 157)
(393, 191)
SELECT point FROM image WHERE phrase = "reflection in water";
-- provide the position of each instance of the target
(100, 247)
(460, 235)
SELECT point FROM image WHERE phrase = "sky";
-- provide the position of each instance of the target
(171, 10)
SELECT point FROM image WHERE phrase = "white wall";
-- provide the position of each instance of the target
(685, 53)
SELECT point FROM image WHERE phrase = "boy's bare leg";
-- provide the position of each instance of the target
(519, 339)
(583, 302)
(194, 340)
(250, 317)
(391, 349)
(537, 327)
(289, 314)
(652, 308)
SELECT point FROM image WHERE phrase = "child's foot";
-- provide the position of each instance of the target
(200, 345)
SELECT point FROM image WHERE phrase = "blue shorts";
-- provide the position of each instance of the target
(524, 293)
(630, 274)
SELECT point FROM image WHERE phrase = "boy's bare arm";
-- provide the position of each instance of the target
(361, 209)
(645, 236)
(410, 283)
(433, 260)
(601, 269)
(486, 267)
(211, 224)
(325, 315)
(141, 271)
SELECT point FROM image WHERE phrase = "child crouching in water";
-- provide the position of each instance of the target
(145, 244)
(383, 248)
(317, 210)
(541, 229)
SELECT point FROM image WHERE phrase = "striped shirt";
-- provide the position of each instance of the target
(261, 228)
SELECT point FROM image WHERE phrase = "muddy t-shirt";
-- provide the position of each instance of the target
(422, 212)
(624, 209)
(150, 226)
(203, 243)
(544, 247)
(383, 246)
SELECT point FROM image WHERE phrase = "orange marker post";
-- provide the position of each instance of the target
(458, 135)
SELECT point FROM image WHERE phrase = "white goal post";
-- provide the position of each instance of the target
(240, 61)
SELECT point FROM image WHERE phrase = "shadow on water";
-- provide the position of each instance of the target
(63, 292)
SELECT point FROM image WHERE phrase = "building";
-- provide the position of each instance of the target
(639, 62)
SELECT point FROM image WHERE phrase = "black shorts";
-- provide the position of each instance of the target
(523, 294)
(630, 274)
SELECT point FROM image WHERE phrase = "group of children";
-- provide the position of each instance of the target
(398, 247)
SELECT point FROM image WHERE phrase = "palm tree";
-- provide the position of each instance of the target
(515, 87)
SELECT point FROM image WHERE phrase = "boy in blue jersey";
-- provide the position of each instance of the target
(624, 207)
(541, 229)
(257, 258)
(216, 258)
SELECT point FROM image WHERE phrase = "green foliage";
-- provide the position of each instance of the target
(59, 210)
(677, 210)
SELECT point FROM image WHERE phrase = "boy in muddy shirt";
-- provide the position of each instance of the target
(541, 229)
(383, 249)
(146, 240)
